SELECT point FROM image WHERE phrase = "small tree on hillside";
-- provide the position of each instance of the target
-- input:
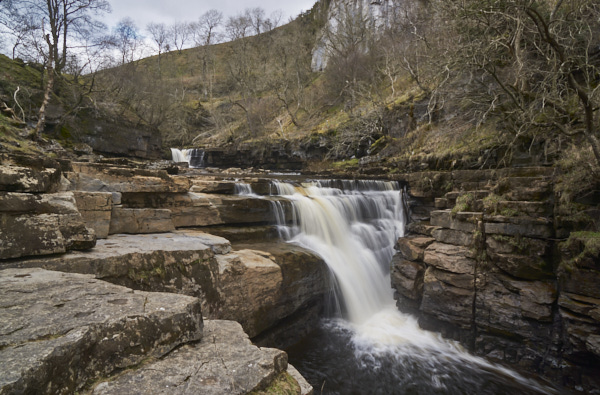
(61, 26)
(159, 35)
(180, 34)
(127, 39)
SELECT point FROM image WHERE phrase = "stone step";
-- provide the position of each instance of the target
(463, 221)
(521, 208)
(258, 285)
(92, 177)
(59, 332)
(224, 362)
(538, 228)
(174, 262)
(450, 198)
(198, 209)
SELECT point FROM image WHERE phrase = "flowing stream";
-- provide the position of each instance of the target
(369, 347)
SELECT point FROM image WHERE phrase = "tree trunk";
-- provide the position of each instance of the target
(48, 91)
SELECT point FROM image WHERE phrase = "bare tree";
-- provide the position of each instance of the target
(127, 39)
(206, 29)
(533, 63)
(180, 34)
(350, 48)
(159, 34)
(59, 25)
(206, 33)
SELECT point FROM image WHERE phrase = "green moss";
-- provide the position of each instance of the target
(345, 163)
(283, 384)
(590, 241)
(463, 203)
(490, 204)
(521, 244)
(509, 212)
(588, 246)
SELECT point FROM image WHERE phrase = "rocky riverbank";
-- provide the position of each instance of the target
(490, 260)
(491, 263)
(139, 229)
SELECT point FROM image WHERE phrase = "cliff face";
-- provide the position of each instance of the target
(369, 14)
(489, 265)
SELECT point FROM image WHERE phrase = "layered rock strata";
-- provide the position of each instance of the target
(481, 266)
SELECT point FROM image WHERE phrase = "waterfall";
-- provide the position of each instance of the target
(193, 156)
(353, 226)
(243, 189)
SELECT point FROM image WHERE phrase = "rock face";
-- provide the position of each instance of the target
(225, 362)
(377, 15)
(35, 219)
(275, 157)
(484, 272)
(61, 331)
(111, 138)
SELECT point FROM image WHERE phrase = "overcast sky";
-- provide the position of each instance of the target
(169, 11)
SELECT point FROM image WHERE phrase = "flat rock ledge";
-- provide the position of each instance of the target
(59, 332)
(224, 362)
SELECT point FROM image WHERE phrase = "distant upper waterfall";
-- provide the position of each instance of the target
(193, 156)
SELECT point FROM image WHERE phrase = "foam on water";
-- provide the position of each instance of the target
(353, 226)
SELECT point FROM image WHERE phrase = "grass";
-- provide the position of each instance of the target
(11, 140)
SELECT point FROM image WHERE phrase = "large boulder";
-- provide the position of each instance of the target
(225, 362)
(62, 331)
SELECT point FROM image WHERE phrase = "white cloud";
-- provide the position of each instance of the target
(145, 11)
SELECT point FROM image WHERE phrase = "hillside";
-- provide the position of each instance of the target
(398, 92)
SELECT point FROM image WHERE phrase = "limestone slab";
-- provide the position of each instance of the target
(60, 331)
(26, 179)
(451, 258)
(95, 209)
(143, 220)
(224, 362)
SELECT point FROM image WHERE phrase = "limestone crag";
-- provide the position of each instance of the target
(259, 289)
(35, 219)
(479, 265)
(51, 213)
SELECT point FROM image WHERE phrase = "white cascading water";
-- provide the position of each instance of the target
(193, 156)
(353, 226)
